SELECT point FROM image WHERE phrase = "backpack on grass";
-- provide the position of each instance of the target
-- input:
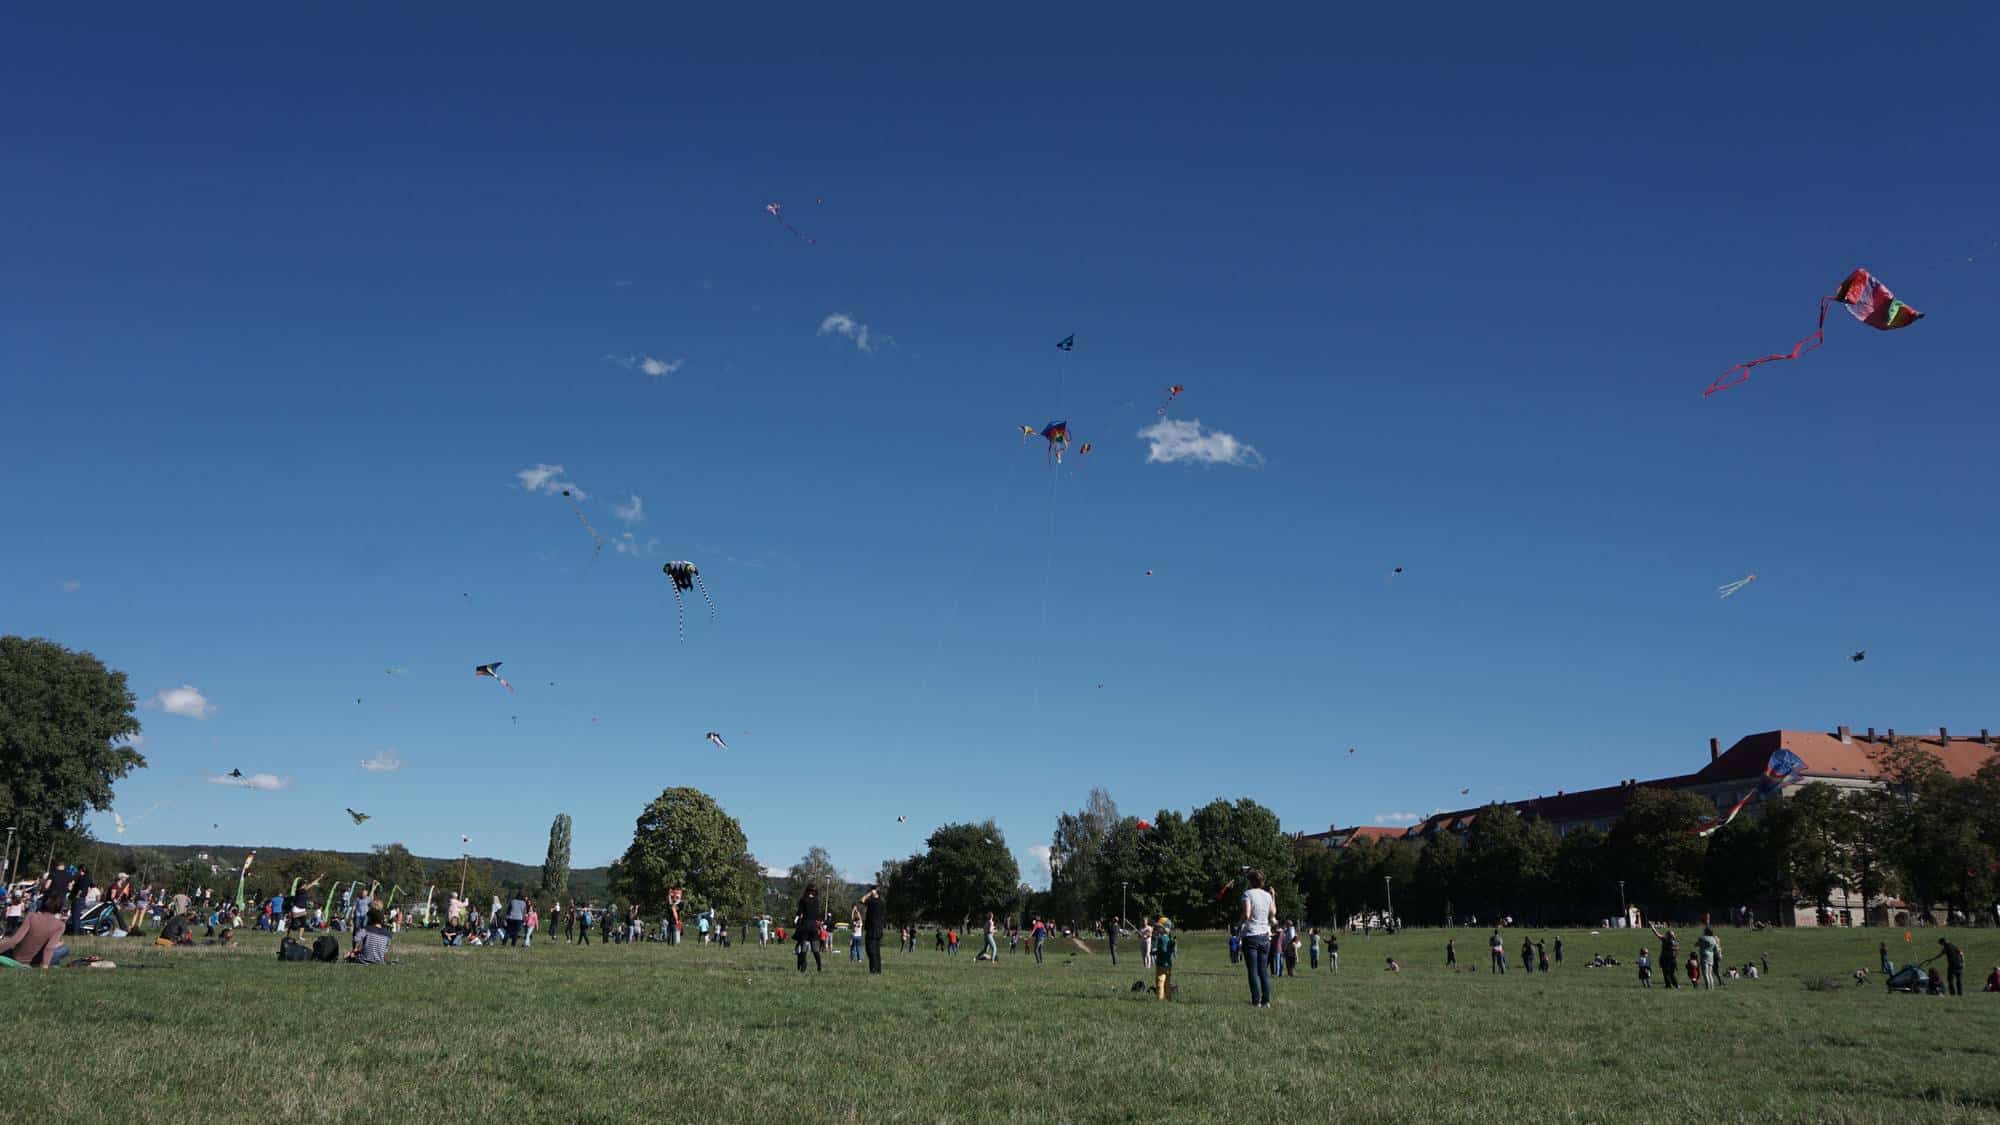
(326, 948)
(289, 950)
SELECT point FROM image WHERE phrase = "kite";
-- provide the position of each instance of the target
(1067, 343)
(1173, 393)
(358, 816)
(1224, 890)
(902, 819)
(1026, 433)
(1728, 588)
(1463, 792)
(1145, 826)
(1392, 574)
(778, 213)
(1783, 768)
(236, 773)
(1083, 450)
(687, 576)
(1859, 656)
(596, 540)
(118, 821)
(493, 670)
(717, 739)
(1868, 299)
(392, 671)
(1057, 435)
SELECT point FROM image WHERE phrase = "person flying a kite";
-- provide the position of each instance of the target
(1867, 299)
(493, 671)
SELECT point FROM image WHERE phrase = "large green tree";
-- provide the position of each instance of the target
(965, 871)
(555, 865)
(1582, 881)
(1509, 860)
(1811, 833)
(64, 719)
(393, 866)
(1236, 837)
(1077, 880)
(1655, 850)
(1439, 891)
(684, 839)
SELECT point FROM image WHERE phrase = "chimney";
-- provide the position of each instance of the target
(1871, 734)
(1984, 738)
(1714, 749)
(1944, 737)
(1845, 738)
(1892, 732)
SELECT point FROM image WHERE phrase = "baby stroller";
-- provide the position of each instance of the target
(99, 920)
(1909, 978)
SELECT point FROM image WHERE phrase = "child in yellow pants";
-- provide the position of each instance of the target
(1163, 960)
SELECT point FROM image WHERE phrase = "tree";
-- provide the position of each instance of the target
(966, 871)
(1581, 879)
(816, 869)
(1243, 835)
(1509, 860)
(684, 839)
(1810, 834)
(555, 866)
(1440, 874)
(1654, 846)
(1076, 876)
(1741, 867)
(63, 717)
(393, 866)
(276, 875)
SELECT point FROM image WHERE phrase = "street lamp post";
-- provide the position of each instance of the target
(1122, 884)
(1624, 914)
(7, 858)
(1389, 901)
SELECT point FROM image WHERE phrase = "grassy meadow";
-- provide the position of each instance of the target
(630, 1033)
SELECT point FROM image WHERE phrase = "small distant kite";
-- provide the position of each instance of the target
(1350, 749)
(1868, 299)
(1067, 343)
(1729, 588)
(686, 576)
(1145, 826)
(1224, 890)
(236, 773)
(597, 541)
(1057, 435)
(1463, 792)
(392, 671)
(1173, 393)
(493, 671)
(118, 822)
(1149, 574)
(1859, 655)
(902, 820)
(717, 739)
(1393, 573)
(358, 816)
(1083, 450)
(1026, 433)
(778, 212)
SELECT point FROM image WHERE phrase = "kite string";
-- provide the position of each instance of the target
(1742, 370)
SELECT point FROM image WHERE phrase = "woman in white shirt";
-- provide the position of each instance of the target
(1259, 908)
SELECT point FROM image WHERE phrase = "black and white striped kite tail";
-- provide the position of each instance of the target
(680, 614)
(704, 596)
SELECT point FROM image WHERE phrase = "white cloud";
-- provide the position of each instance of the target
(71, 586)
(1174, 439)
(384, 761)
(185, 701)
(631, 513)
(777, 872)
(1390, 818)
(549, 479)
(1040, 853)
(647, 364)
(135, 740)
(267, 782)
(628, 544)
(844, 325)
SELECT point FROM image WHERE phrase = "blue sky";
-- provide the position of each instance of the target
(287, 303)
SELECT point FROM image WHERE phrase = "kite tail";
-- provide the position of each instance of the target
(1709, 828)
(704, 597)
(505, 684)
(680, 614)
(1741, 372)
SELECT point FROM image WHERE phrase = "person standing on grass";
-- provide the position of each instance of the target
(1670, 952)
(1888, 966)
(1527, 955)
(1160, 955)
(1450, 953)
(1333, 951)
(951, 941)
(1312, 948)
(854, 933)
(1040, 936)
(989, 949)
(806, 930)
(1954, 966)
(1235, 944)
(528, 927)
(604, 926)
(1645, 970)
(517, 913)
(1292, 948)
(1111, 938)
(871, 928)
(583, 921)
(1260, 907)
(1541, 957)
(1709, 948)
(1559, 949)
(1499, 949)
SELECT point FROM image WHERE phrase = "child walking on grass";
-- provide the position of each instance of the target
(1645, 970)
(1163, 960)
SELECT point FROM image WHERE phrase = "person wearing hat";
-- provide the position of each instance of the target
(1163, 959)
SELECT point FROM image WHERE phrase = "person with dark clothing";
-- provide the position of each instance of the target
(1499, 950)
(1450, 952)
(79, 894)
(1541, 957)
(1559, 949)
(1670, 952)
(1954, 966)
(517, 913)
(1527, 955)
(805, 930)
(871, 927)
(1111, 938)
(604, 926)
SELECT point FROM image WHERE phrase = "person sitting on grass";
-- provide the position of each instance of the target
(371, 945)
(175, 932)
(227, 937)
(38, 941)
(1993, 980)
(1392, 966)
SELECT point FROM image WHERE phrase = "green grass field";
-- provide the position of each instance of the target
(630, 1033)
